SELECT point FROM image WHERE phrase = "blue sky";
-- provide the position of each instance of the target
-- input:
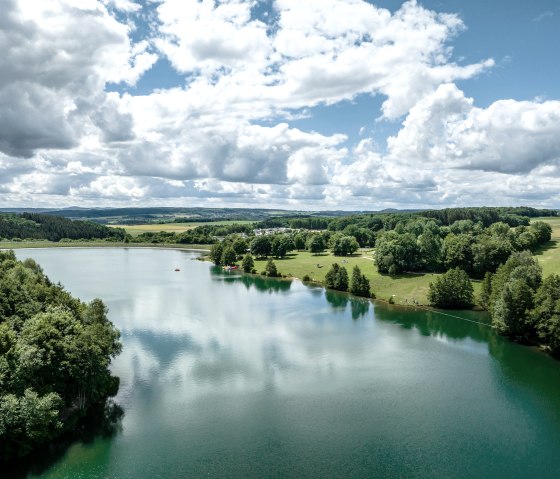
(322, 104)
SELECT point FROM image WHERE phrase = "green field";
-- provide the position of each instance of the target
(549, 255)
(136, 230)
(404, 287)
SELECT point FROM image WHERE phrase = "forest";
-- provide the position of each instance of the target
(55, 353)
(53, 228)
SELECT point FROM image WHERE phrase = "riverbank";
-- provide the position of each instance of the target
(404, 289)
(98, 244)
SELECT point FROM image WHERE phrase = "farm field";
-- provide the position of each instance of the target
(136, 230)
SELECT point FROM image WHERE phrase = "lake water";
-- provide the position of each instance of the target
(224, 375)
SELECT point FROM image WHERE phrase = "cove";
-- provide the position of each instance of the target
(226, 375)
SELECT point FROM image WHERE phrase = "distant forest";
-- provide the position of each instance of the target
(53, 228)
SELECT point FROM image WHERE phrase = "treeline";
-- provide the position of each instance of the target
(54, 357)
(513, 216)
(53, 228)
(422, 245)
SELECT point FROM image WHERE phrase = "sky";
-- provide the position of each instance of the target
(295, 104)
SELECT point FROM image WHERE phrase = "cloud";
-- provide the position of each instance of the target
(445, 129)
(228, 133)
(543, 16)
(57, 57)
(313, 52)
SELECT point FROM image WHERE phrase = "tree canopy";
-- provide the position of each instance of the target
(55, 353)
(452, 289)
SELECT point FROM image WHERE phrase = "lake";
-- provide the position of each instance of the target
(225, 375)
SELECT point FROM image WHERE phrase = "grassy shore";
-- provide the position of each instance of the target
(95, 244)
(135, 230)
(404, 288)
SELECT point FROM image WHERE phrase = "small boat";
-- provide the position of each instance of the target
(177, 269)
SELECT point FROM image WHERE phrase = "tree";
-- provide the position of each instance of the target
(542, 230)
(396, 252)
(511, 310)
(452, 289)
(457, 251)
(429, 246)
(360, 284)
(240, 246)
(248, 263)
(337, 278)
(489, 252)
(512, 296)
(299, 241)
(55, 353)
(270, 269)
(261, 246)
(546, 313)
(345, 245)
(316, 244)
(229, 256)
(486, 291)
(216, 253)
(279, 247)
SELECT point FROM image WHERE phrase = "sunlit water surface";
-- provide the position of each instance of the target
(224, 375)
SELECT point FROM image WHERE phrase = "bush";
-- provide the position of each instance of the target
(306, 278)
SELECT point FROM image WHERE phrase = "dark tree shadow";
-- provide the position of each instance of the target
(102, 421)
(552, 244)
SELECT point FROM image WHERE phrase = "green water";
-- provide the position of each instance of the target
(231, 376)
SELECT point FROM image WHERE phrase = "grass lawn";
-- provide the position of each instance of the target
(549, 254)
(136, 230)
(405, 287)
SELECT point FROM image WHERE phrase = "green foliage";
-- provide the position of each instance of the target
(511, 310)
(299, 241)
(270, 269)
(344, 245)
(261, 246)
(248, 263)
(396, 253)
(53, 228)
(429, 248)
(546, 314)
(316, 244)
(337, 278)
(360, 284)
(55, 353)
(27, 421)
(452, 289)
(512, 296)
(229, 256)
(216, 253)
(240, 246)
(486, 291)
(457, 251)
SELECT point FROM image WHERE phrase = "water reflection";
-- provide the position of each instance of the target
(104, 421)
(265, 377)
(260, 283)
